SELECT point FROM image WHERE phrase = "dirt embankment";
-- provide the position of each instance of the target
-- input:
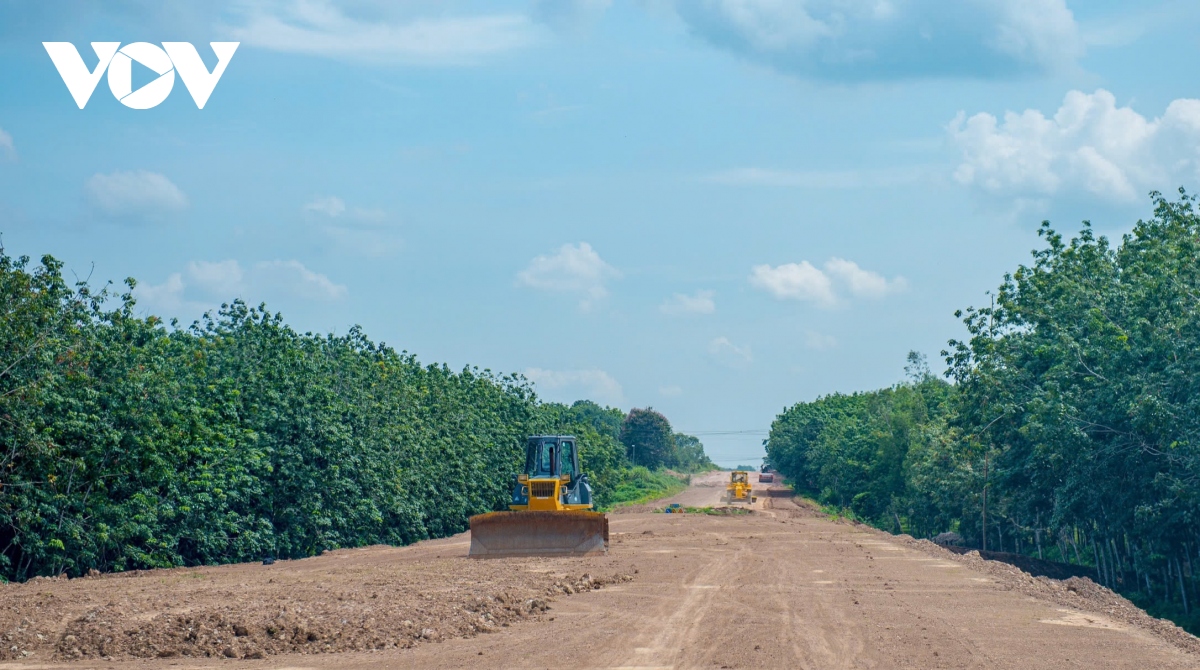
(349, 600)
(1079, 593)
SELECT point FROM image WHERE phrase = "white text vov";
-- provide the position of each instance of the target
(118, 60)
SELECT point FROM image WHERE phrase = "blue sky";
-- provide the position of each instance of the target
(715, 207)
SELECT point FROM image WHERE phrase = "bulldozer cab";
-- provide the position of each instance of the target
(551, 456)
(551, 479)
(738, 477)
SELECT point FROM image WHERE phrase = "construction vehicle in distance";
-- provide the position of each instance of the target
(766, 472)
(738, 488)
(550, 511)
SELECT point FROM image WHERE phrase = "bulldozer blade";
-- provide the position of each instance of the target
(567, 533)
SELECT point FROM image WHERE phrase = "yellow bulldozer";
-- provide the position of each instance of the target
(738, 489)
(550, 510)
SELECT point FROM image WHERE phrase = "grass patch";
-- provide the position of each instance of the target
(710, 511)
(836, 513)
(717, 511)
(641, 485)
(841, 514)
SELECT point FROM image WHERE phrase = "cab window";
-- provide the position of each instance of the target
(545, 459)
(566, 456)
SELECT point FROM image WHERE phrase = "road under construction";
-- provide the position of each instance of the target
(780, 585)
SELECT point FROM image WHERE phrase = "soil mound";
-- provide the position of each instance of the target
(318, 605)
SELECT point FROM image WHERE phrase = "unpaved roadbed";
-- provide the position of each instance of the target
(782, 587)
(1081, 594)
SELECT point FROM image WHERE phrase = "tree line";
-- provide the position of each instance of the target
(129, 443)
(1069, 430)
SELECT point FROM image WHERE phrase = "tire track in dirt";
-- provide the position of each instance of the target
(808, 632)
(680, 629)
(943, 638)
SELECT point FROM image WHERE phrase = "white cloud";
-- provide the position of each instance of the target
(7, 148)
(862, 283)
(805, 282)
(574, 269)
(1090, 145)
(885, 39)
(222, 279)
(381, 32)
(358, 229)
(166, 297)
(729, 354)
(203, 285)
(298, 280)
(819, 341)
(795, 281)
(331, 206)
(700, 303)
(670, 391)
(134, 196)
(571, 385)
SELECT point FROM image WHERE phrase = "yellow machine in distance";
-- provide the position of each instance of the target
(550, 508)
(738, 488)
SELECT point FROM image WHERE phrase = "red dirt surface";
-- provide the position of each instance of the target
(783, 586)
(373, 598)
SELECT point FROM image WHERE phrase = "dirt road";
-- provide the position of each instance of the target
(707, 490)
(783, 587)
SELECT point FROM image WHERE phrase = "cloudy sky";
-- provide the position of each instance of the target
(713, 207)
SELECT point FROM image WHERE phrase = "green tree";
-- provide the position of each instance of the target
(689, 455)
(858, 451)
(648, 439)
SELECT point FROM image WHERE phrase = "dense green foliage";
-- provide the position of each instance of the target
(640, 484)
(1075, 411)
(648, 440)
(125, 443)
(868, 452)
(647, 437)
(688, 455)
